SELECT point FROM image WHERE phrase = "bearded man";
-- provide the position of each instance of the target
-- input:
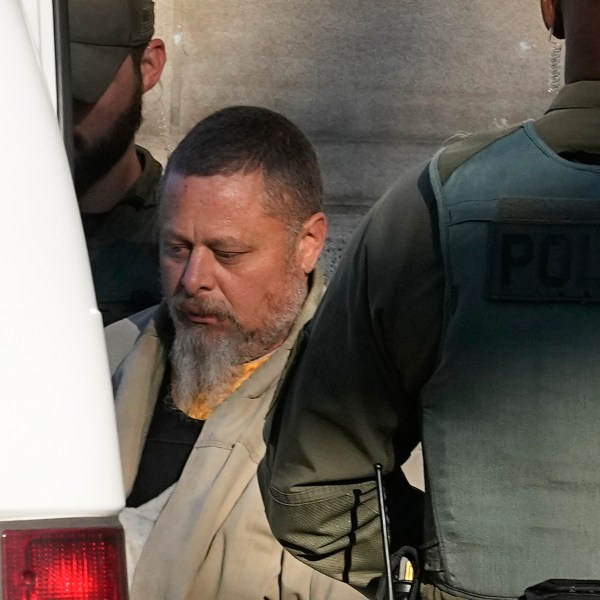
(114, 62)
(241, 229)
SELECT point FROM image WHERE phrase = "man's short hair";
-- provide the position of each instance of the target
(247, 139)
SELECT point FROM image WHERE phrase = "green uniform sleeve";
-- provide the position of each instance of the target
(349, 396)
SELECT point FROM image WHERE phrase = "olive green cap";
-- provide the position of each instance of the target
(102, 35)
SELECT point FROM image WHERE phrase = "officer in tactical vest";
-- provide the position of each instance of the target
(465, 315)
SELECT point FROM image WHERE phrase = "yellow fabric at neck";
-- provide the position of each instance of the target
(202, 408)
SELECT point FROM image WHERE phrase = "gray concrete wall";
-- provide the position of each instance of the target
(377, 85)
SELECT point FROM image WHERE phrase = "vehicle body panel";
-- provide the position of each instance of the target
(57, 425)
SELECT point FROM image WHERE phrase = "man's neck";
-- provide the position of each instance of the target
(110, 189)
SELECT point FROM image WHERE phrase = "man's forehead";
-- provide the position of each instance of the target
(233, 190)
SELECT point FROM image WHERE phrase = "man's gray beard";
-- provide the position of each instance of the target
(207, 365)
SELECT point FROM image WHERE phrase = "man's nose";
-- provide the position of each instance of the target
(198, 275)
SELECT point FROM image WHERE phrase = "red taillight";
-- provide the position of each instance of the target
(64, 564)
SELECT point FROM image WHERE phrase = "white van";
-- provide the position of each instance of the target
(60, 476)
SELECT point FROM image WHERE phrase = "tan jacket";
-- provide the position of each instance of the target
(211, 540)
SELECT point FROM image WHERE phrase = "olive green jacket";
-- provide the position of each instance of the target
(123, 247)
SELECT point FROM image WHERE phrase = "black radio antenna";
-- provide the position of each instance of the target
(385, 533)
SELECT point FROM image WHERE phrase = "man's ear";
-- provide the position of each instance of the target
(311, 241)
(153, 61)
(552, 16)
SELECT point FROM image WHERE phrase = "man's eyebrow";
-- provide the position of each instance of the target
(227, 240)
(224, 240)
